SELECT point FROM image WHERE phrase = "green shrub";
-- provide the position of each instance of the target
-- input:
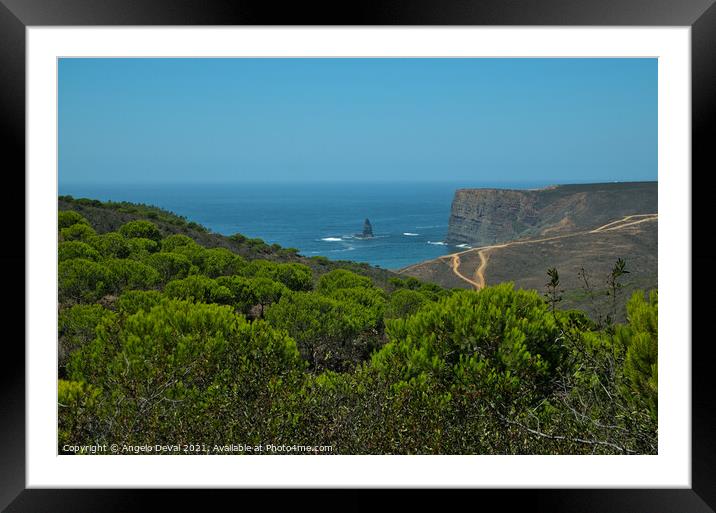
(76, 407)
(76, 249)
(404, 303)
(267, 292)
(76, 328)
(172, 242)
(195, 253)
(67, 218)
(498, 335)
(331, 334)
(141, 229)
(199, 288)
(132, 301)
(82, 280)
(639, 340)
(80, 231)
(321, 260)
(221, 262)
(371, 302)
(341, 279)
(171, 266)
(139, 247)
(110, 245)
(189, 372)
(297, 277)
(130, 274)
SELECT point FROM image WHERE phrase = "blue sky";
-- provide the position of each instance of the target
(357, 120)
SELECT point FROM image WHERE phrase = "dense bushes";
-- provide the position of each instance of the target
(130, 274)
(170, 266)
(184, 372)
(199, 289)
(76, 328)
(342, 279)
(221, 262)
(75, 249)
(403, 303)
(82, 280)
(133, 301)
(497, 334)
(141, 229)
(67, 218)
(639, 341)
(111, 245)
(79, 231)
(294, 276)
(165, 341)
(331, 333)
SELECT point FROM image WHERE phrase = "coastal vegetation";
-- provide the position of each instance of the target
(171, 334)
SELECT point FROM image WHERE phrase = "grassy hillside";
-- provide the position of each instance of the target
(593, 254)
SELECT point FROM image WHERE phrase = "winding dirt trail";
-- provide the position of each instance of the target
(456, 270)
(480, 271)
(483, 252)
(605, 227)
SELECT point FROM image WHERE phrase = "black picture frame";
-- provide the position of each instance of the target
(17, 15)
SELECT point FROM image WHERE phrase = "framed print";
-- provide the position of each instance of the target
(414, 248)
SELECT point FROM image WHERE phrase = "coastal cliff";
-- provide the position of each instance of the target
(489, 216)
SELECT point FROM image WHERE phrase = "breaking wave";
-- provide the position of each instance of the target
(408, 234)
(438, 243)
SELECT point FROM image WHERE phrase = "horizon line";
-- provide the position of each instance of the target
(355, 182)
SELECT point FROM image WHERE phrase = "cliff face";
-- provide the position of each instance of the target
(489, 216)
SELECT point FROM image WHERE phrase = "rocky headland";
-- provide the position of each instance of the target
(516, 235)
(490, 216)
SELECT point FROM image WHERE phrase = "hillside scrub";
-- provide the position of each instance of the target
(166, 341)
(109, 217)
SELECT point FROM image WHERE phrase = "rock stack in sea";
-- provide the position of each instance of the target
(367, 229)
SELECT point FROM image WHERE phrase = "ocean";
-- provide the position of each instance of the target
(409, 221)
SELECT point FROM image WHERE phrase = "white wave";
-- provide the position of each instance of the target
(463, 246)
(408, 234)
(360, 237)
(331, 239)
(437, 243)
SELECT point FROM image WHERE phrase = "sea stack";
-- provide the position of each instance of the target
(367, 229)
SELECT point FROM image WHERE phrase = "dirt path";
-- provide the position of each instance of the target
(479, 281)
(605, 227)
(456, 270)
(480, 272)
